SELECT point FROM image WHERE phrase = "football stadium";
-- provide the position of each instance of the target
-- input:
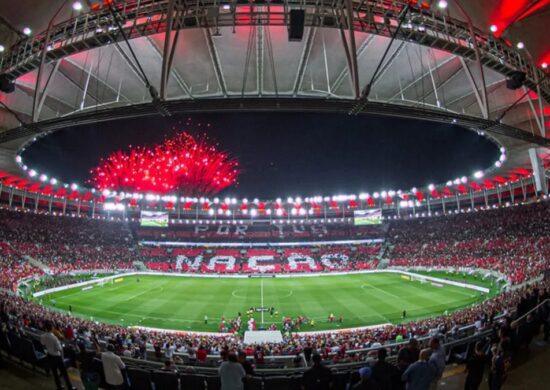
(261, 195)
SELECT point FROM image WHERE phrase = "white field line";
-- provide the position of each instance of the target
(262, 298)
(379, 289)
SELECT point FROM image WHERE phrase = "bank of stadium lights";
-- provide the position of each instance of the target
(32, 173)
(53, 181)
(493, 28)
(2, 48)
(27, 31)
(77, 6)
(442, 4)
(110, 206)
(478, 174)
(520, 45)
(74, 186)
(43, 178)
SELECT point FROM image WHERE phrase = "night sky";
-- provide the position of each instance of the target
(287, 154)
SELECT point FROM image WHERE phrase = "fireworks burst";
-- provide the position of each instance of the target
(182, 164)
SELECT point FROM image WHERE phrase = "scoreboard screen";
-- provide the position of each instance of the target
(154, 219)
(367, 217)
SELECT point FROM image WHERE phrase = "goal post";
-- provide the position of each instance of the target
(418, 278)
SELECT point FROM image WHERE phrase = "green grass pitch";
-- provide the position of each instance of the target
(180, 303)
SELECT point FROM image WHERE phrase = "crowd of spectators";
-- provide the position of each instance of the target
(514, 241)
(84, 337)
(62, 244)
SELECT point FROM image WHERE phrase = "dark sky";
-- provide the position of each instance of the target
(288, 154)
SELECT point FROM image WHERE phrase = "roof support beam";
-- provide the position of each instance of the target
(351, 51)
(45, 90)
(97, 79)
(345, 71)
(215, 60)
(536, 117)
(304, 60)
(130, 64)
(249, 49)
(479, 98)
(260, 59)
(490, 88)
(389, 63)
(43, 55)
(179, 79)
(271, 60)
(165, 68)
(541, 107)
(443, 83)
(484, 101)
(417, 79)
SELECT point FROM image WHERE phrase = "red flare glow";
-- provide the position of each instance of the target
(182, 164)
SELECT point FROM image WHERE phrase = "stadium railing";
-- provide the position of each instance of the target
(525, 316)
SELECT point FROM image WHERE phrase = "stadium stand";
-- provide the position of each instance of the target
(514, 241)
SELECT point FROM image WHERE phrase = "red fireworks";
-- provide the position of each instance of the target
(182, 164)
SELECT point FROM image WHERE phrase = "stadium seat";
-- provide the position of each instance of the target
(340, 380)
(97, 366)
(213, 383)
(4, 343)
(192, 382)
(354, 378)
(14, 341)
(165, 380)
(30, 355)
(139, 379)
(279, 382)
(254, 383)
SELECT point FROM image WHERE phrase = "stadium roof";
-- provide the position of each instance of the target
(240, 51)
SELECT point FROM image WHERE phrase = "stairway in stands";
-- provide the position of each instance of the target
(32, 261)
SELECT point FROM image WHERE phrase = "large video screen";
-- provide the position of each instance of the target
(154, 219)
(367, 217)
